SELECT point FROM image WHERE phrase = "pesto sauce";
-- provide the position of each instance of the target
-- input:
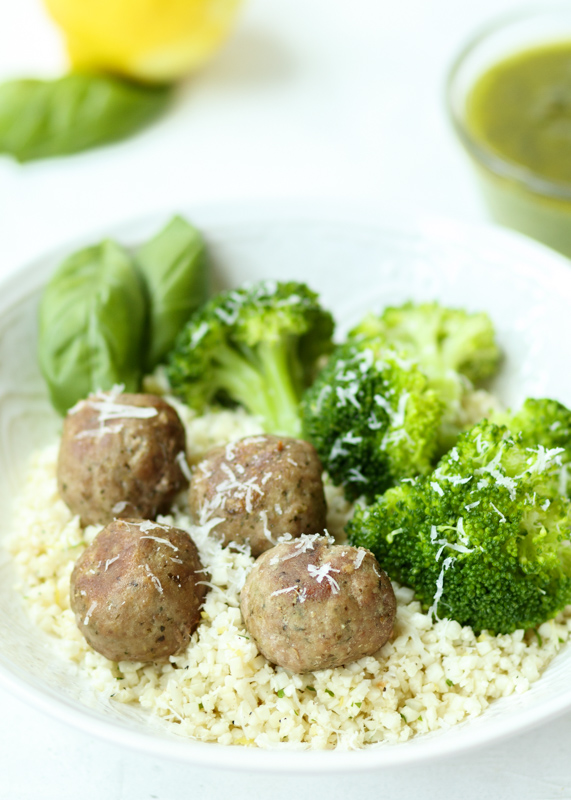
(521, 109)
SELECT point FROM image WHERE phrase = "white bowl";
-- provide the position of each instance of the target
(356, 265)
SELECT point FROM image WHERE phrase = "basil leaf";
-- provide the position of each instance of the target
(39, 119)
(92, 318)
(175, 270)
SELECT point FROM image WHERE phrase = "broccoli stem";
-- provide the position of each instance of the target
(242, 382)
(275, 361)
(262, 384)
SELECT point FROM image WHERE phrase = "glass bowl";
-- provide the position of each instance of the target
(516, 195)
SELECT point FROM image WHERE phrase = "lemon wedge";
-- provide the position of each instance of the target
(149, 40)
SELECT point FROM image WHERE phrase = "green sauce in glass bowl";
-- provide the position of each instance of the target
(509, 97)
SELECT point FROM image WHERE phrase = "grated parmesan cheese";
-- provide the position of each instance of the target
(430, 675)
(183, 464)
(324, 571)
(160, 540)
(267, 532)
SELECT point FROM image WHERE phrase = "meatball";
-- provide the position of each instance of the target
(262, 487)
(121, 455)
(313, 605)
(136, 591)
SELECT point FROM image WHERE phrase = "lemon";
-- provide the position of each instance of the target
(149, 40)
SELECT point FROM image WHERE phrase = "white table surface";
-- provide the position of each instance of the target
(311, 99)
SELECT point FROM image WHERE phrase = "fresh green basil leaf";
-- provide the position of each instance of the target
(39, 119)
(92, 317)
(175, 271)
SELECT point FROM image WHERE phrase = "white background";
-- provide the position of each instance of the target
(314, 100)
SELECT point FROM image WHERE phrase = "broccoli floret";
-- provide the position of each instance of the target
(485, 539)
(543, 422)
(257, 346)
(454, 348)
(372, 418)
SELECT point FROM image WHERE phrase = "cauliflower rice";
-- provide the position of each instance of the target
(430, 675)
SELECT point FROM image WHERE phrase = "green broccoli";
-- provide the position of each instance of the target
(372, 418)
(543, 422)
(485, 539)
(257, 346)
(454, 348)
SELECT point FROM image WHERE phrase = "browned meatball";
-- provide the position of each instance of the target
(121, 455)
(313, 605)
(135, 591)
(262, 487)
